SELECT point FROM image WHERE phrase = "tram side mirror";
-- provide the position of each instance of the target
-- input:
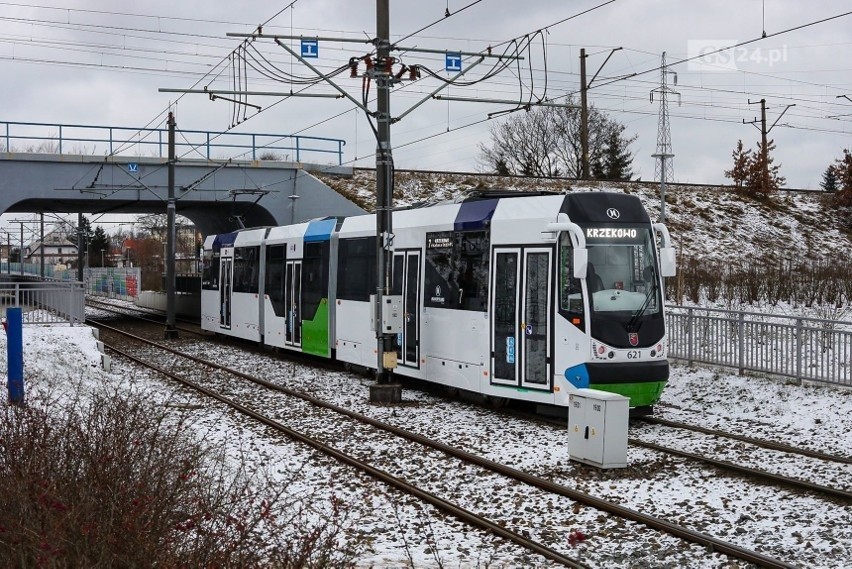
(581, 262)
(667, 261)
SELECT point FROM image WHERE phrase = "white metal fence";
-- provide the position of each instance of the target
(802, 348)
(45, 302)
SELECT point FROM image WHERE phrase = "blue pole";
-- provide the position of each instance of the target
(15, 353)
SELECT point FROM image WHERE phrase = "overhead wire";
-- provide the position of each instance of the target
(114, 13)
(704, 88)
(683, 61)
(447, 14)
(289, 6)
(727, 48)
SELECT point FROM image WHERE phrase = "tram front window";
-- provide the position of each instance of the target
(622, 274)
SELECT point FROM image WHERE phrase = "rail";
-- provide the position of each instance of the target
(49, 138)
(45, 302)
(810, 349)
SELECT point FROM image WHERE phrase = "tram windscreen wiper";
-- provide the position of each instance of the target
(645, 304)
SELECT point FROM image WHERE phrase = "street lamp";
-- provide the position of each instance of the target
(102, 258)
(293, 198)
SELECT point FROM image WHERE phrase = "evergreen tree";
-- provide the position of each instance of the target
(829, 180)
(86, 226)
(501, 167)
(843, 170)
(774, 179)
(614, 162)
(596, 168)
(742, 164)
(748, 172)
(99, 242)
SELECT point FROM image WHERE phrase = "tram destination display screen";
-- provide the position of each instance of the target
(633, 234)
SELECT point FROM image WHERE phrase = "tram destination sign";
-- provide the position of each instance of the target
(616, 234)
(440, 240)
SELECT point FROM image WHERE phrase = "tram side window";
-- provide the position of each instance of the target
(356, 268)
(210, 270)
(246, 269)
(570, 292)
(276, 257)
(457, 270)
(472, 258)
(314, 278)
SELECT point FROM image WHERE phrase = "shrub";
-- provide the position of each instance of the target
(111, 483)
(766, 279)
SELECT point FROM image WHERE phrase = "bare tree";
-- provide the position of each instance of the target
(524, 144)
(602, 128)
(545, 141)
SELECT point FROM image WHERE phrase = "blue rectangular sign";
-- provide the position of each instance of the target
(310, 49)
(454, 62)
(510, 350)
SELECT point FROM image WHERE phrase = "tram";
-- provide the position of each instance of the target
(509, 295)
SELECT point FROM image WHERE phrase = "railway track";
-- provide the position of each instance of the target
(816, 464)
(470, 460)
(772, 445)
(757, 473)
(343, 457)
(145, 316)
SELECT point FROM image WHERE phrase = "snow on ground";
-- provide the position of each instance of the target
(60, 361)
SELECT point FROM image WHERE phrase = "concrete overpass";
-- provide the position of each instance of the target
(216, 195)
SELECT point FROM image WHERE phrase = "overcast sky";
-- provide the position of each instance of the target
(101, 62)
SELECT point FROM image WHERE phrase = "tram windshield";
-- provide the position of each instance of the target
(622, 278)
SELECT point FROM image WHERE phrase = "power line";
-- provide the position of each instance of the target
(447, 14)
(129, 14)
(734, 46)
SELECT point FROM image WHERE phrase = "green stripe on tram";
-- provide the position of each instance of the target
(315, 332)
(641, 394)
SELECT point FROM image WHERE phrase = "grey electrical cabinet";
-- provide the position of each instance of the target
(597, 428)
(390, 313)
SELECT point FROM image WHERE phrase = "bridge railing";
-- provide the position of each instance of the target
(45, 302)
(52, 138)
(802, 348)
(112, 282)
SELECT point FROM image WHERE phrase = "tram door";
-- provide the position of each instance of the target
(406, 282)
(225, 275)
(293, 302)
(521, 317)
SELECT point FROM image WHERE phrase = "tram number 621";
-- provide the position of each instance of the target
(634, 355)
